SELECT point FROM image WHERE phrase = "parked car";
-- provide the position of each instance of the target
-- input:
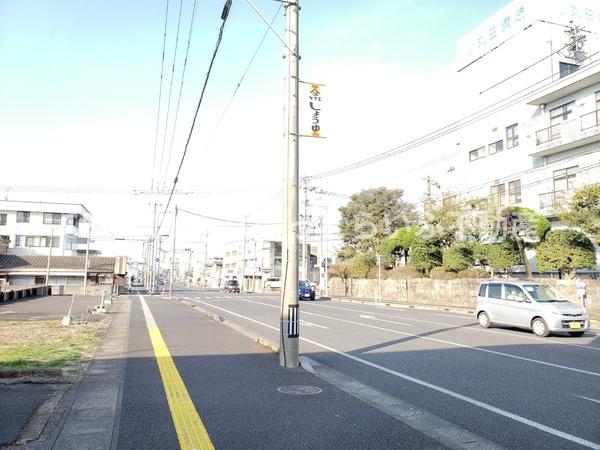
(524, 304)
(305, 290)
(231, 286)
(273, 283)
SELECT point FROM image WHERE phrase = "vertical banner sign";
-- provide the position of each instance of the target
(311, 101)
(293, 322)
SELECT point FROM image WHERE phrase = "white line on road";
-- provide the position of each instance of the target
(452, 315)
(479, 330)
(311, 324)
(587, 398)
(364, 316)
(472, 401)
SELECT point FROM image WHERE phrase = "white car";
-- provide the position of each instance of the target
(526, 304)
(273, 283)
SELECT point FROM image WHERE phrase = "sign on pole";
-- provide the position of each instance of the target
(311, 114)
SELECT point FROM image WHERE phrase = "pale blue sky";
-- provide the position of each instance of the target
(79, 89)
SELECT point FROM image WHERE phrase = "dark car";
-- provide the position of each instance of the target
(232, 286)
(305, 291)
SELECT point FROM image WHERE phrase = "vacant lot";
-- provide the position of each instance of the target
(44, 344)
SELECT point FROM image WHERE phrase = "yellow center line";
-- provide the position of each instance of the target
(191, 433)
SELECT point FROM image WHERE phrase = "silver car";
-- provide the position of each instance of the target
(525, 304)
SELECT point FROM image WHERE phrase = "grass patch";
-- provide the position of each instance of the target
(46, 344)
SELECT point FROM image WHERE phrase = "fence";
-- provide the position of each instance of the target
(449, 293)
(15, 294)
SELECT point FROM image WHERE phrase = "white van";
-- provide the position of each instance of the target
(526, 304)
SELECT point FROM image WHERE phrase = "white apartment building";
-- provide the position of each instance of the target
(36, 228)
(533, 69)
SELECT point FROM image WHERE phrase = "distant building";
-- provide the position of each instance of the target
(33, 228)
(209, 275)
(29, 270)
(262, 261)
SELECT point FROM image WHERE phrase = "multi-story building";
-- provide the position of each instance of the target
(534, 70)
(37, 228)
(262, 261)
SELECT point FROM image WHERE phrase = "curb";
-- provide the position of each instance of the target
(256, 338)
(465, 311)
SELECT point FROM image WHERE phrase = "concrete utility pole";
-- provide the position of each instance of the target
(289, 322)
(304, 244)
(49, 256)
(378, 277)
(172, 277)
(205, 259)
(153, 255)
(243, 284)
(87, 259)
(326, 252)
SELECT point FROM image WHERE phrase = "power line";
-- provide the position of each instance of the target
(187, 50)
(447, 129)
(162, 66)
(218, 219)
(224, 16)
(162, 152)
(243, 75)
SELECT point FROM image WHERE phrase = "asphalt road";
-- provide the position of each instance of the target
(504, 386)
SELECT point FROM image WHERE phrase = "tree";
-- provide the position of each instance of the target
(346, 253)
(501, 256)
(566, 251)
(526, 228)
(583, 211)
(458, 257)
(360, 265)
(426, 253)
(397, 245)
(372, 215)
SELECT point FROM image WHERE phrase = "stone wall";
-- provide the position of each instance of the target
(77, 289)
(457, 292)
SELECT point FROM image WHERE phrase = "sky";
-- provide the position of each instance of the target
(79, 99)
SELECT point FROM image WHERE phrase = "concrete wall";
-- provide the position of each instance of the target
(71, 289)
(459, 292)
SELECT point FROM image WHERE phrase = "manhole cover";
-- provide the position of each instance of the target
(299, 389)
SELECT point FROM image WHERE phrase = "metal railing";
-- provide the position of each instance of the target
(548, 134)
(590, 120)
(552, 199)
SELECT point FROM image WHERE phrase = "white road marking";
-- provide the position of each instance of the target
(587, 398)
(472, 401)
(456, 344)
(6, 312)
(456, 317)
(477, 329)
(311, 324)
(364, 316)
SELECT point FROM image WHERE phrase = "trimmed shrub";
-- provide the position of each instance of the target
(458, 257)
(439, 273)
(472, 273)
(373, 273)
(566, 251)
(425, 254)
(403, 273)
(338, 271)
(360, 265)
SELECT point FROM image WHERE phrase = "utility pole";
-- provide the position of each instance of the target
(304, 244)
(289, 320)
(323, 263)
(254, 269)
(243, 285)
(326, 252)
(378, 277)
(87, 259)
(153, 254)
(172, 277)
(49, 256)
(205, 259)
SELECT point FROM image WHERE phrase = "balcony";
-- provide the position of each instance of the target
(551, 201)
(569, 134)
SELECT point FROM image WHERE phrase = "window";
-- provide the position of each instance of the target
(73, 219)
(512, 136)
(477, 154)
(22, 216)
(483, 290)
(565, 69)
(497, 194)
(42, 241)
(597, 100)
(561, 114)
(52, 218)
(19, 241)
(514, 192)
(495, 147)
(2, 218)
(495, 290)
(513, 293)
(564, 179)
